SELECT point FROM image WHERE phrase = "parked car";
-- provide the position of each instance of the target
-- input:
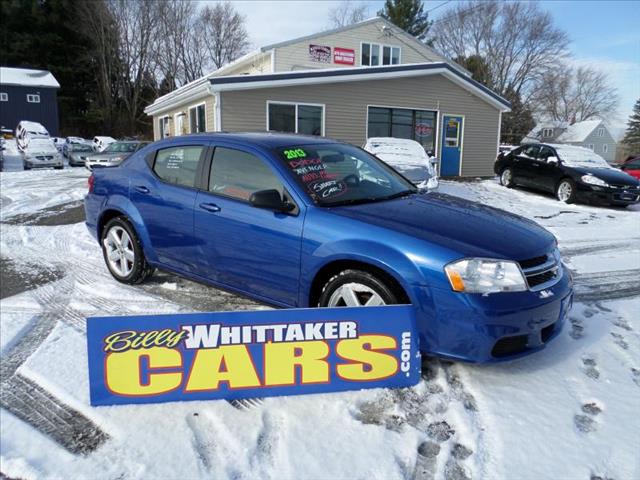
(571, 173)
(408, 157)
(100, 143)
(69, 141)
(114, 154)
(301, 221)
(77, 154)
(41, 153)
(26, 131)
(58, 142)
(6, 133)
(631, 166)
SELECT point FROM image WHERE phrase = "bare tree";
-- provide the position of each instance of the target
(518, 41)
(225, 33)
(346, 13)
(576, 94)
(175, 22)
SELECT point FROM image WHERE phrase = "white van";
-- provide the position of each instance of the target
(100, 143)
(26, 131)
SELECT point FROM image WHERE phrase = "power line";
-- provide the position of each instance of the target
(435, 8)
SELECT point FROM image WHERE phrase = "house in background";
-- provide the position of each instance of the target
(369, 79)
(27, 94)
(591, 134)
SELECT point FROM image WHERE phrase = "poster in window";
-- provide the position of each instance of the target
(344, 56)
(424, 129)
(320, 53)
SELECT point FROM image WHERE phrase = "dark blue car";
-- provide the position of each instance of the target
(297, 221)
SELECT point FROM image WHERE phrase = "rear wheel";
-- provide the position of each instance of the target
(356, 288)
(566, 191)
(123, 253)
(506, 178)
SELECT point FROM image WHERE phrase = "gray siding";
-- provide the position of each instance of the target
(598, 142)
(346, 111)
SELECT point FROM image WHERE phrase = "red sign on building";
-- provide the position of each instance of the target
(344, 56)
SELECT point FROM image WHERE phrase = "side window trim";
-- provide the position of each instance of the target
(152, 157)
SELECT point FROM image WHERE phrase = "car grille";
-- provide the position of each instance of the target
(541, 272)
(44, 158)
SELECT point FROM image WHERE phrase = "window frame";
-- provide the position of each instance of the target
(600, 132)
(35, 98)
(591, 147)
(436, 134)
(381, 47)
(195, 109)
(198, 181)
(605, 148)
(4, 97)
(166, 129)
(545, 131)
(296, 105)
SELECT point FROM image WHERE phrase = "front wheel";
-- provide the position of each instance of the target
(123, 253)
(506, 178)
(356, 288)
(566, 191)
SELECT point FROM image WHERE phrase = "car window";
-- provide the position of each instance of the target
(545, 152)
(238, 174)
(633, 164)
(530, 151)
(517, 151)
(178, 165)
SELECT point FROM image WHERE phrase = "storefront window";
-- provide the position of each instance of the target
(295, 118)
(282, 117)
(418, 125)
(310, 119)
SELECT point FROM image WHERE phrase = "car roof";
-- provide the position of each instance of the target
(261, 139)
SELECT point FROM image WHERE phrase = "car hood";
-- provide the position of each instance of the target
(469, 228)
(612, 176)
(108, 155)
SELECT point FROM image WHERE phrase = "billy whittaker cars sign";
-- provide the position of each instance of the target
(232, 355)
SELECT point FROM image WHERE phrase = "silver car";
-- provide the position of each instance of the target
(77, 154)
(41, 153)
(114, 154)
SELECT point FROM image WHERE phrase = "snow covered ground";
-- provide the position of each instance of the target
(568, 412)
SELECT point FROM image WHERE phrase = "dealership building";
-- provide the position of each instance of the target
(370, 79)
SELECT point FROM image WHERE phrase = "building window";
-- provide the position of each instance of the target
(4, 97)
(601, 132)
(179, 123)
(547, 132)
(33, 98)
(163, 124)
(605, 148)
(418, 125)
(295, 118)
(590, 146)
(374, 54)
(198, 119)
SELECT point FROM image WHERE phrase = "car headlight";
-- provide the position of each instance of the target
(483, 275)
(116, 159)
(591, 180)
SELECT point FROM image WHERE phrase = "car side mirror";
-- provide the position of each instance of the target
(553, 160)
(270, 200)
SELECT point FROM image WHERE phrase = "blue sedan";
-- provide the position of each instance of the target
(297, 221)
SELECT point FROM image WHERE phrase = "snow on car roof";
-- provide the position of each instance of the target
(574, 155)
(27, 77)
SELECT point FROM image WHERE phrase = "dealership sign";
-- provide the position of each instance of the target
(344, 56)
(231, 355)
(320, 53)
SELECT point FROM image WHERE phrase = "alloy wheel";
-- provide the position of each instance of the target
(564, 191)
(506, 177)
(355, 295)
(119, 250)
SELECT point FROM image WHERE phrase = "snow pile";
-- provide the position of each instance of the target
(27, 77)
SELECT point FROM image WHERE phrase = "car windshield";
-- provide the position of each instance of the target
(337, 174)
(121, 147)
(81, 148)
(580, 157)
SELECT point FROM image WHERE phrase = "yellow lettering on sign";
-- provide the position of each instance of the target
(364, 350)
(281, 360)
(124, 377)
(231, 363)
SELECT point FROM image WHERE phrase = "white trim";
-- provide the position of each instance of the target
(605, 148)
(461, 143)
(296, 105)
(499, 133)
(162, 131)
(196, 105)
(33, 98)
(175, 123)
(276, 83)
(4, 97)
(435, 110)
(381, 45)
(217, 111)
(273, 60)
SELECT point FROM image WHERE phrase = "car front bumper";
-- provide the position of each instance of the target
(490, 328)
(607, 195)
(35, 163)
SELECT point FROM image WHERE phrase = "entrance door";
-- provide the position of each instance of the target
(452, 127)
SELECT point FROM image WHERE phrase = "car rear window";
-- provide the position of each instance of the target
(178, 165)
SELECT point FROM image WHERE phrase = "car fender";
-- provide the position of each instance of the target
(377, 254)
(123, 205)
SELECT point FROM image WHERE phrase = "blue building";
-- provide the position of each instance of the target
(27, 94)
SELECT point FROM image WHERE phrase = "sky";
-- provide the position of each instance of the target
(604, 34)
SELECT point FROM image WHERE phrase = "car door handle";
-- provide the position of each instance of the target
(210, 207)
(141, 189)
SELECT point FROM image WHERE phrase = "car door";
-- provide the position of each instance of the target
(254, 250)
(526, 159)
(546, 174)
(165, 194)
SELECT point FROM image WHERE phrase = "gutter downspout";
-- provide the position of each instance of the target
(217, 108)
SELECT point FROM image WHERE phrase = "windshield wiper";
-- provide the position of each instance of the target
(356, 201)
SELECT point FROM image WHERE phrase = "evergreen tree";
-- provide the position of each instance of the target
(409, 15)
(478, 66)
(632, 135)
(516, 123)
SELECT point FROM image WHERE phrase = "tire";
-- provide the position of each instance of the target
(58, 168)
(506, 178)
(26, 167)
(368, 290)
(128, 264)
(566, 191)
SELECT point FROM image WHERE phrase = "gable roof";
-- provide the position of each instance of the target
(579, 131)
(27, 77)
(335, 75)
